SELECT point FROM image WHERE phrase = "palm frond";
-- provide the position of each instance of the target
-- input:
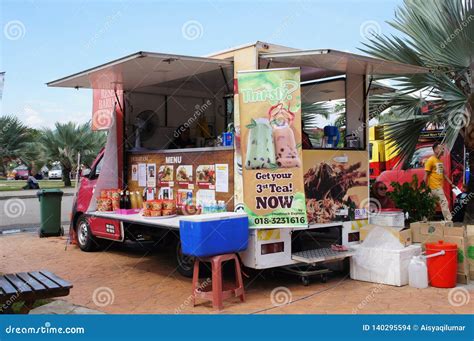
(312, 112)
(403, 135)
(439, 35)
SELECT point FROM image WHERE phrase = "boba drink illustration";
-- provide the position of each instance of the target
(279, 115)
(285, 143)
(260, 148)
(285, 147)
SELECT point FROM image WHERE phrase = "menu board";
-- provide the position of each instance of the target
(187, 177)
(270, 128)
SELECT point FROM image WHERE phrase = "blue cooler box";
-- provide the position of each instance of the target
(207, 235)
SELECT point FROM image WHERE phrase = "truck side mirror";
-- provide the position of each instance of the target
(86, 172)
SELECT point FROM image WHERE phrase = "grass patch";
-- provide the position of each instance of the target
(18, 305)
(16, 185)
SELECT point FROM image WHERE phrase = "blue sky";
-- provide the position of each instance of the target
(45, 40)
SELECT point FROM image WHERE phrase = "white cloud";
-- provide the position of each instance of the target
(32, 117)
(77, 117)
(42, 114)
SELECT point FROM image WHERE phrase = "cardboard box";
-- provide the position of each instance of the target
(470, 249)
(434, 231)
(430, 231)
(463, 264)
(402, 234)
(462, 279)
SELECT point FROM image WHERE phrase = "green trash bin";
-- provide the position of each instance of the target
(50, 207)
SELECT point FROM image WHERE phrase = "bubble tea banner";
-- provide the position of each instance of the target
(270, 127)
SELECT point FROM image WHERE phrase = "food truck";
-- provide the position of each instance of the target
(169, 120)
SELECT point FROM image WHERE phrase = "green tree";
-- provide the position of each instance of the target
(415, 199)
(67, 140)
(439, 35)
(15, 141)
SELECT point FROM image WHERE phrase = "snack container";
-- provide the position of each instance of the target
(104, 205)
(157, 205)
(167, 212)
(109, 193)
(115, 204)
(148, 205)
(169, 205)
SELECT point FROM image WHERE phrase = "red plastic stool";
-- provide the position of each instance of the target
(217, 295)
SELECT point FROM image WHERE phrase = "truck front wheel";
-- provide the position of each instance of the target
(85, 239)
(185, 263)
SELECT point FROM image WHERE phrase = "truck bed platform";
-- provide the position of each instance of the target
(320, 255)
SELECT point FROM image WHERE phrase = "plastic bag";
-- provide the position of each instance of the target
(381, 238)
(367, 256)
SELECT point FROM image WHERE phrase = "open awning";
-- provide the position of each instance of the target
(145, 69)
(316, 64)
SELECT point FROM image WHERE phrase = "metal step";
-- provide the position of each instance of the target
(320, 255)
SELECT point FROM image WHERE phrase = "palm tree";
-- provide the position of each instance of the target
(310, 115)
(439, 35)
(15, 141)
(66, 141)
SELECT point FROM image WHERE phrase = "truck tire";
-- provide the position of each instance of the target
(185, 263)
(86, 241)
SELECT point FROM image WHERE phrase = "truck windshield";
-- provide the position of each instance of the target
(420, 156)
(98, 167)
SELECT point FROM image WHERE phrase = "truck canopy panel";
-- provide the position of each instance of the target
(145, 69)
(316, 64)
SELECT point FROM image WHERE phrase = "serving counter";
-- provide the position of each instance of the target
(172, 222)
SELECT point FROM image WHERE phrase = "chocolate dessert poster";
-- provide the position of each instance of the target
(336, 185)
(270, 128)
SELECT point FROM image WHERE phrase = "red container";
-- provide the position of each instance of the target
(442, 268)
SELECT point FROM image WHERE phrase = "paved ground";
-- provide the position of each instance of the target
(21, 209)
(131, 280)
